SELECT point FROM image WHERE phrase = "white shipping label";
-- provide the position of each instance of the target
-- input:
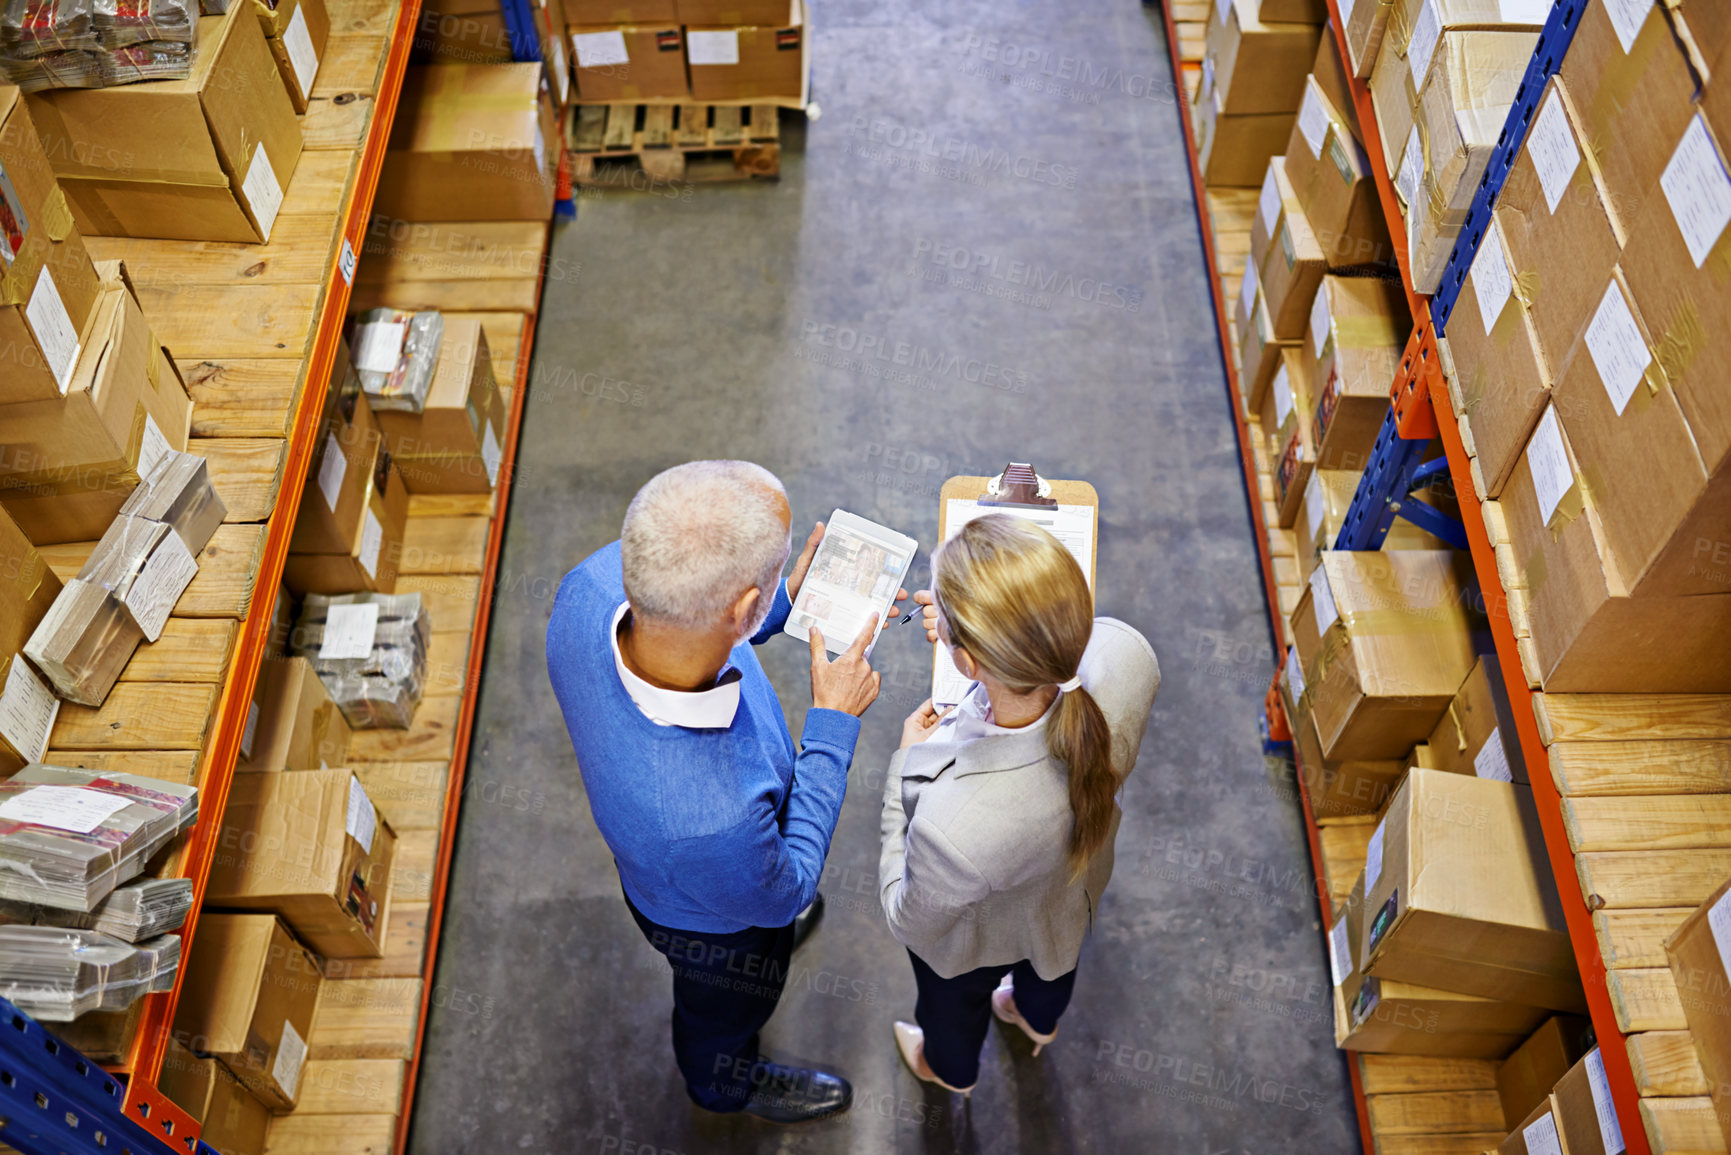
(1322, 600)
(1698, 190)
(1541, 1136)
(561, 74)
(1419, 49)
(154, 449)
(28, 708)
(490, 454)
(1247, 290)
(379, 345)
(303, 57)
(1339, 953)
(52, 327)
(361, 823)
(372, 538)
(1313, 504)
(1411, 168)
(538, 146)
(332, 468)
(263, 193)
(1346, 13)
(1373, 860)
(1627, 16)
(63, 807)
(1319, 320)
(1207, 76)
(159, 585)
(1620, 353)
(1294, 673)
(1268, 203)
(1718, 921)
(1523, 11)
(1313, 120)
(712, 47)
(291, 1053)
(1223, 9)
(248, 734)
(1492, 761)
(1548, 459)
(1492, 284)
(1282, 394)
(1610, 1132)
(1551, 144)
(599, 49)
(349, 631)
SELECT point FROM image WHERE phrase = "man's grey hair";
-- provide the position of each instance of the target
(700, 534)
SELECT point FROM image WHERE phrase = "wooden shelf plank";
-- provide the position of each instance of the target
(1636, 938)
(1608, 717)
(365, 1019)
(429, 738)
(1404, 1074)
(1687, 766)
(1665, 1064)
(1668, 822)
(1626, 879)
(140, 716)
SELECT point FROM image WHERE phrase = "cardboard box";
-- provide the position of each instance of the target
(1385, 639)
(1459, 895)
(759, 62)
(1387, 1016)
(47, 282)
(370, 560)
(471, 142)
(1630, 106)
(459, 399)
(1586, 1117)
(339, 483)
(458, 472)
(1365, 26)
(1697, 953)
(1295, 460)
(201, 159)
(248, 998)
(1233, 150)
(1534, 1135)
(1327, 497)
(1259, 354)
(1358, 786)
(1287, 401)
(1476, 735)
(1681, 283)
(1256, 67)
(1292, 263)
(1589, 635)
(296, 31)
(758, 12)
(1328, 71)
(1474, 75)
(291, 723)
(1391, 97)
(1661, 512)
(1704, 26)
(629, 62)
(1502, 378)
(27, 703)
(311, 847)
(67, 465)
(1357, 331)
(622, 12)
(233, 1122)
(467, 32)
(1559, 238)
(1337, 193)
(1525, 1079)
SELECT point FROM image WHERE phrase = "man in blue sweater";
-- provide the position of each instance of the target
(718, 827)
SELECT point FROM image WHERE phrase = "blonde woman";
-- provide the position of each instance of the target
(999, 816)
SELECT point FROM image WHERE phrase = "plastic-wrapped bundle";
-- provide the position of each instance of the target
(122, 22)
(83, 642)
(395, 353)
(147, 60)
(70, 69)
(141, 909)
(32, 28)
(179, 494)
(56, 974)
(146, 565)
(370, 651)
(68, 837)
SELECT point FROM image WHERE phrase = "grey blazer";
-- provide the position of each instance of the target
(973, 870)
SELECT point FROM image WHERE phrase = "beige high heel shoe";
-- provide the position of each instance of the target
(911, 1043)
(1004, 1006)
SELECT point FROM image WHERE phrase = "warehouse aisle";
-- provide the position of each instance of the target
(997, 209)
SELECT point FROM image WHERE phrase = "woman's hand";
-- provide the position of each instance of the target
(930, 616)
(921, 724)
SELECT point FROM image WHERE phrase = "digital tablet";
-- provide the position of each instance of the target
(856, 572)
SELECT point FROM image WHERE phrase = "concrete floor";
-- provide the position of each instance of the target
(726, 321)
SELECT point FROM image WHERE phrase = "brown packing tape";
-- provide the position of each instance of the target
(1526, 287)
(149, 176)
(1537, 572)
(1361, 333)
(1571, 505)
(1677, 347)
(1617, 84)
(1460, 730)
(56, 216)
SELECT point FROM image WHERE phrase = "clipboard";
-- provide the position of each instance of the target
(1016, 493)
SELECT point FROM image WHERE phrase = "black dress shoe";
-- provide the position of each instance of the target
(796, 1094)
(806, 921)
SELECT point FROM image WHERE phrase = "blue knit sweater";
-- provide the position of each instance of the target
(713, 830)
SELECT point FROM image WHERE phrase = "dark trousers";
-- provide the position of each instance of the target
(725, 987)
(956, 1013)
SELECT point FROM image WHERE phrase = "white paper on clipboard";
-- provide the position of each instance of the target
(1072, 525)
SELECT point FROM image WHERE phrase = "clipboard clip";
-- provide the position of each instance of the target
(1019, 485)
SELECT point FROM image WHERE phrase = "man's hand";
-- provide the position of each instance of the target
(930, 616)
(848, 684)
(797, 577)
(921, 724)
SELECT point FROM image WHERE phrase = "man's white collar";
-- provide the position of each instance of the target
(711, 709)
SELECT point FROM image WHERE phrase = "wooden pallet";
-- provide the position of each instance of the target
(672, 143)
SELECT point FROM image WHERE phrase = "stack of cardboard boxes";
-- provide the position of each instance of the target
(674, 51)
(1580, 357)
(1253, 79)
